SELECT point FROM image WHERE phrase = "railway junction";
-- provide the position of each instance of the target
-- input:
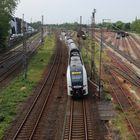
(69, 82)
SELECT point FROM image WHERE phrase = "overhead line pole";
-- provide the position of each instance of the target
(42, 31)
(80, 22)
(93, 44)
(80, 43)
(31, 25)
(100, 59)
(24, 49)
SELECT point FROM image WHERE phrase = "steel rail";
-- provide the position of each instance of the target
(71, 119)
(85, 120)
(122, 108)
(16, 64)
(37, 97)
(46, 101)
(134, 48)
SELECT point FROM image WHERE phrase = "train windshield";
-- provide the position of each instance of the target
(77, 77)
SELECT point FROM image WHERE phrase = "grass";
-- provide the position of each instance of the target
(87, 58)
(119, 125)
(18, 90)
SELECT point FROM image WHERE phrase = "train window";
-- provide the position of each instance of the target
(77, 77)
(74, 54)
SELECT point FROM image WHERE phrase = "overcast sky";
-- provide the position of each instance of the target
(60, 11)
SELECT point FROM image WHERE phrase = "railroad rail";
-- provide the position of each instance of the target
(136, 39)
(126, 76)
(16, 51)
(122, 97)
(123, 69)
(130, 59)
(13, 62)
(124, 44)
(134, 48)
(126, 105)
(28, 127)
(78, 124)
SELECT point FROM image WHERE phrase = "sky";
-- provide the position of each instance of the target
(62, 11)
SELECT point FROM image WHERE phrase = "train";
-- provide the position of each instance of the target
(16, 26)
(16, 30)
(81, 34)
(121, 34)
(77, 85)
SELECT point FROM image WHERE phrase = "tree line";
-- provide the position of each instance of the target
(7, 8)
(119, 25)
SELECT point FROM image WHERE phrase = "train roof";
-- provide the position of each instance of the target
(70, 41)
(75, 60)
(72, 46)
(76, 67)
(74, 53)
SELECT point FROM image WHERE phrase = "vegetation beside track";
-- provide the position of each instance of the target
(18, 90)
(88, 55)
(118, 125)
(120, 128)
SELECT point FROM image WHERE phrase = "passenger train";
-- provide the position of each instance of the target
(16, 28)
(76, 74)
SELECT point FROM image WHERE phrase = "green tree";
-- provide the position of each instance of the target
(119, 25)
(36, 25)
(7, 8)
(135, 26)
(126, 26)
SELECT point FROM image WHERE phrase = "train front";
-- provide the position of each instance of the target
(77, 81)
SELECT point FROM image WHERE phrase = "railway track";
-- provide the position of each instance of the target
(122, 53)
(15, 51)
(136, 39)
(126, 105)
(130, 59)
(124, 70)
(82, 120)
(78, 125)
(122, 97)
(124, 44)
(28, 129)
(126, 76)
(13, 63)
(10, 70)
(134, 48)
(12, 54)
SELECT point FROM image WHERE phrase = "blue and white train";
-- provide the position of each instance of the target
(77, 84)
